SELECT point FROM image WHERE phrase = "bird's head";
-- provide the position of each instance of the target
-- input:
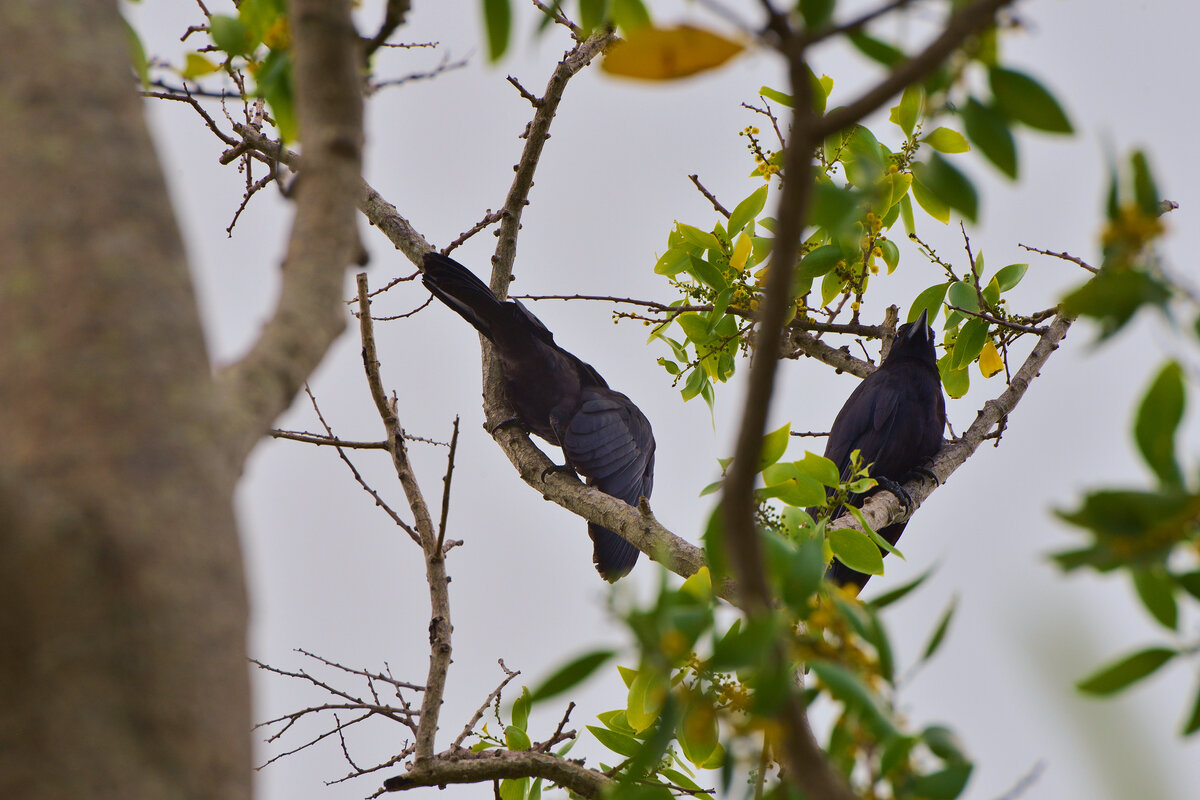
(914, 340)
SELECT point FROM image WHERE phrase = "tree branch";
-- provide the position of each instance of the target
(308, 317)
(435, 560)
(884, 508)
(462, 766)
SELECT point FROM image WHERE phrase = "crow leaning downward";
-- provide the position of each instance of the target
(603, 435)
(894, 418)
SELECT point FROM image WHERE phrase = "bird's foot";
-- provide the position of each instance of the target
(928, 473)
(506, 423)
(898, 491)
(563, 468)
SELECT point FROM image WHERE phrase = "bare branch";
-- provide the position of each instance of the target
(435, 559)
(393, 17)
(469, 728)
(312, 438)
(1064, 256)
(462, 766)
(724, 212)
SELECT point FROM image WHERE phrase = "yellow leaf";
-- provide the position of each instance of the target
(663, 54)
(741, 251)
(197, 66)
(989, 360)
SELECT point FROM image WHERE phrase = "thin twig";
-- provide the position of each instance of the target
(446, 486)
(469, 728)
(1064, 256)
(379, 501)
(312, 438)
(711, 198)
(435, 560)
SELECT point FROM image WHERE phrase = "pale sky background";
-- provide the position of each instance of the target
(329, 572)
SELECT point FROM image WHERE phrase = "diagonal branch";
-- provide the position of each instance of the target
(435, 560)
(463, 766)
(884, 508)
(324, 241)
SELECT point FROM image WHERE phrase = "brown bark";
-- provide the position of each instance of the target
(122, 601)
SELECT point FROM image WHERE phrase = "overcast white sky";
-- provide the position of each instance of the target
(329, 573)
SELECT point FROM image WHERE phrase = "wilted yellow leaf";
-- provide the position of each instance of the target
(989, 360)
(741, 251)
(197, 66)
(663, 54)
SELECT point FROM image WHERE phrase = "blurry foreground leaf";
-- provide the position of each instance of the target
(663, 54)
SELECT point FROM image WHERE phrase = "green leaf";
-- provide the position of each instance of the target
(819, 468)
(876, 50)
(1021, 98)
(747, 210)
(773, 446)
(1144, 189)
(1157, 421)
(137, 53)
(1193, 723)
(800, 491)
(514, 788)
(939, 633)
(933, 205)
(520, 709)
(989, 131)
(891, 254)
(592, 14)
(779, 97)
(929, 300)
(516, 739)
(943, 743)
(672, 262)
(955, 381)
(908, 110)
(1190, 583)
(948, 184)
(698, 733)
(847, 687)
(275, 86)
(887, 598)
(816, 13)
(497, 21)
(569, 675)
(647, 694)
(969, 343)
(945, 140)
(1113, 296)
(1010, 276)
(630, 15)
(231, 35)
(620, 743)
(962, 294)
(945, 784)
(819, 261)
(1114, 677)
(856, 550)
(1156, 590)
(697, 237)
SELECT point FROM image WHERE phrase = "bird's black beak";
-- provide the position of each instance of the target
(920, 328)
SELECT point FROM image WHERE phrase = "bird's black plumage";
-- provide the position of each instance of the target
(894, 418)
(604, 436)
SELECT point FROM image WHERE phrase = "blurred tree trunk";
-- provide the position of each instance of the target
(122, 599)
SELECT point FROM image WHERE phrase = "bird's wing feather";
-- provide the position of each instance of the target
(462, 291)
(609, 442)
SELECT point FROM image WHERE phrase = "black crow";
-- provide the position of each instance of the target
(895, 419)
(604, 436)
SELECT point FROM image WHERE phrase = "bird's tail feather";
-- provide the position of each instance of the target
(613, 556)
(461, 290)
